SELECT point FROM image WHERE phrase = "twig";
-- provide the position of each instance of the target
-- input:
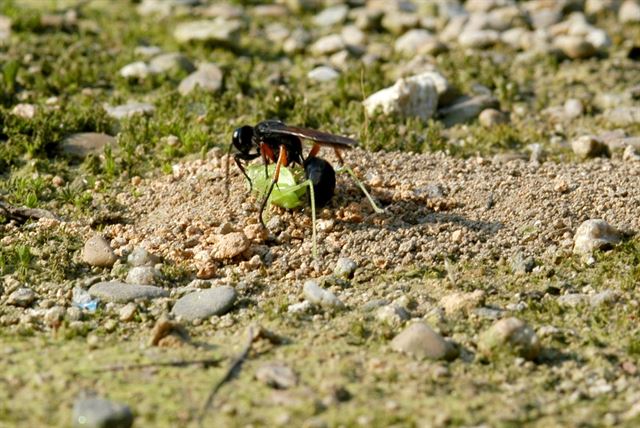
(232, 372)
(181, 363)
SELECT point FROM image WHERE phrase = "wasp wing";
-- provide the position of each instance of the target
(271, 127)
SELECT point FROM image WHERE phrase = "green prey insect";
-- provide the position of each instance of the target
(291, 188)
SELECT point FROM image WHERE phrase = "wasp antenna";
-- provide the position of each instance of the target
(375, 207)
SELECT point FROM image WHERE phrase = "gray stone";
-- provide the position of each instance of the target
(5, 29)
(595, 234)
(323, 74)
(170, 62)
(345, 268)
(207, 78)
(85, 143)
(393, 315)
(461, 302)
(573, 108)
(127, 312)
(575, 47)
(25, 110)
(491, 117)
(414, 96)
(512, 336)
(352, 35)
(98, 252)
(297, 42)
(319, 296)
(623, 116)
(478, 39)
(205, 303)
(142, 275)
(147, 51)
(629, 11)
(101, 413)
(327, 45)
(466, 109)
(331, 16)
(521, 264)
(22, 297)
(120, 292)
(277, 375)
(421, 341)
(572, 299)
(136, 70)
(487, 312)
(217, 31)
(128, 110)
(603, 298)
(141, 257)
(417, 41)
(588, 146)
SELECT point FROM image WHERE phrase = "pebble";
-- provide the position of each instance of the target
(491, 117)
(623, 116)
(345, 268)
(142, 275)
(461, 302)
(218, 31)
(331, 16)
(319, 296)
(135, 70)
(120, 292)
(466, 109)
(421, 341)
(478, 39)
(277, 375)
(141, 257)
(207, 78)
(170, 62)
(353, 36)
(392, 315)
(128, 312)
(297, 42)
(573, 108)
(97, 252)
(5, 28)
(521, 264)
(25, 111)
(300, 308)
(147, 51)
(230, 245)
(588, 146)
(101, 413)
(397, 22)
(572, 299)
(603, 298)
(595, 234)
(511, 335)
(327, 45)
(203, 304)
(630, 154)
(323, 74)
(629, 11)
(82, 144)
(417, 41)
(414, 96)
(130, 109)
(53, 316)
(575, 47)
(22, 297)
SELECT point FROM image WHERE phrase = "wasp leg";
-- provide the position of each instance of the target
(282, 160)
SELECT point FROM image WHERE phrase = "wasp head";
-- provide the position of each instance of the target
(242, 138)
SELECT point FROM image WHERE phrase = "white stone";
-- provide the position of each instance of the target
(414, 96)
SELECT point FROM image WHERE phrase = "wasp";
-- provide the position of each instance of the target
(281, 144)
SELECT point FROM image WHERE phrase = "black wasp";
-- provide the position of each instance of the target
(282, 144)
